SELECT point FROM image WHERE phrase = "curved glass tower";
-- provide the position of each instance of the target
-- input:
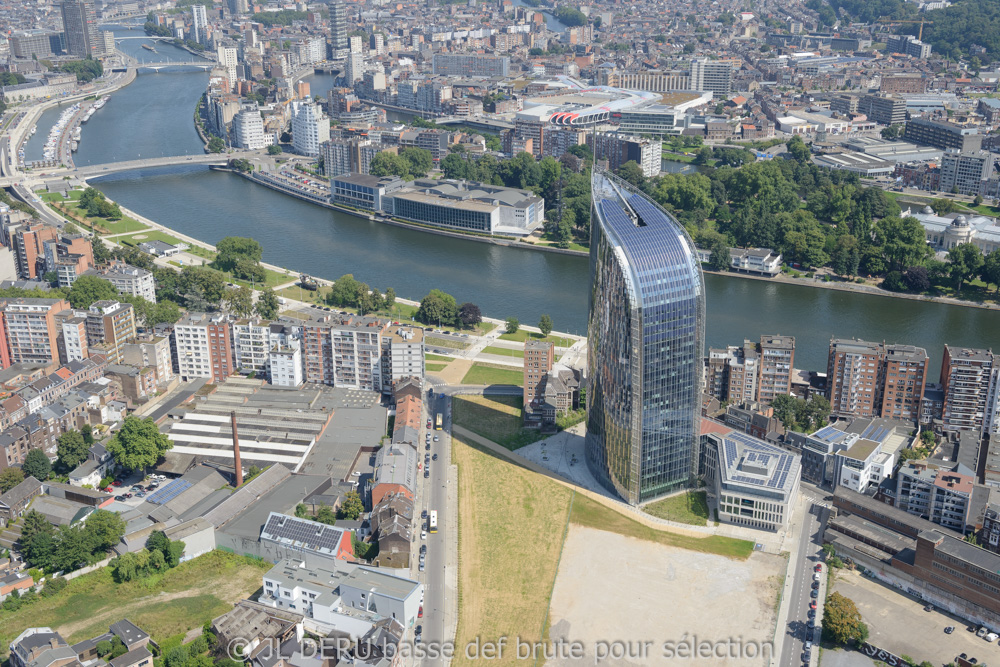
(646, 338)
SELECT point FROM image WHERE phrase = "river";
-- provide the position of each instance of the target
(503, 281)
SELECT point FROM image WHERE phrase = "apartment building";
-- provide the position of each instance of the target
(908, 45)
(402, 355)
(110, 325)
(251, 346)
(470, 64)
(69, 256)
(966, 172)
(150, 351)
(248, 129)
(939, 494)
(30, 327)
(904, 376)
(743, 370)
(619, 149)
(130, 280)
(777, 359)
(539, 357)
(344, 351)
(717, 373)
(715, 76)
(28, 243)
(72, 329)
(883, 109)
(967, 375)
(854, 377)
(202, 347)
(943, 135)
(310, 128)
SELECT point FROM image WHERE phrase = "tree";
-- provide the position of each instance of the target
(274, 150)
(903, 242)
(845, 257)
(990, 273)
(72, 550)
(103, 647)
(234, 248)
(390, 298)
(966, 260)
(103, 530)
(632, 173)
(512, 325)
(798, 150)
(438, 308)
(389, 164)
(101, 253)
(239, 300)
(419, 160)
(352, 507)
(71, 449)
(326, 515)
(469, 315)
(893, 132)
(719, 259)
(9, 478)
(267, 304)
(34, 524)
(894, 282)
(545, 324)
(87, 433)
(842, 621)
(917, 279)
(138, 444)
(216, 145)
(301, 511)
(176, 657)
(88, 289)
(37, 464)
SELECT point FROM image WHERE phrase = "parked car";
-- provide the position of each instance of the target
(437, 438)
(818, 568)
(992, 637)
(929, 607)
(981, 632)
(423, 514)
(421, 566)
(420, 612)
(434, 458)
(423, 547)
(140, 494)
(423, 534)
(950, 629)
(117, 482)
(814, 593)
(120, 499)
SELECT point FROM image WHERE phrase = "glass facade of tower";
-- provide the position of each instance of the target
(646, 339)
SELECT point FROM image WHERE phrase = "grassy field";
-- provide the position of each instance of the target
(177, 601)
(449, 342)
(590, 513)
(435, 368)
(522, 336)
(499, 418)
(690, 507)
(490, 374)
(79, 217)
(134, 240)
(438, 357)
(504, 351)
(511, 528)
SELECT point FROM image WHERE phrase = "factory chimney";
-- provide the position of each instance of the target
(236, 453)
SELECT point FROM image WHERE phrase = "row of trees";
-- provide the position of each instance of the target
(350, 293)
(411, 162)
(440, 309)
(799, 414)
(69, 547)
(86, 70)
(966, 262)
(241, 257)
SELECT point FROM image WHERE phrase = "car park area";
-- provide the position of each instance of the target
(898, 623)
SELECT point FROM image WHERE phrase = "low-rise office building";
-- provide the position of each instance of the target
(755, 484)
(468, 206)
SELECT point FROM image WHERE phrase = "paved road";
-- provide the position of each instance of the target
(435, 492)
(809, 552)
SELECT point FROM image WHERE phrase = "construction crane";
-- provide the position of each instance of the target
(922, 21)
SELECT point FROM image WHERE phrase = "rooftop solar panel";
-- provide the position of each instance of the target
(308, 534)
(169, 492)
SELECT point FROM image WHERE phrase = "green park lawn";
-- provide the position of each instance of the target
(521, 335)
(690, 507)
(504, 351)
(481, 373)
(592, 514)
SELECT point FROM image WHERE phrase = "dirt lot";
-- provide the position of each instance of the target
(632, 602)
(898, 623)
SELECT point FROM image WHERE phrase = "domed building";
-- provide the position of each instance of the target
(947, 231)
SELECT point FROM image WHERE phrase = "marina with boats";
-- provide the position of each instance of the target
(65, 135)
